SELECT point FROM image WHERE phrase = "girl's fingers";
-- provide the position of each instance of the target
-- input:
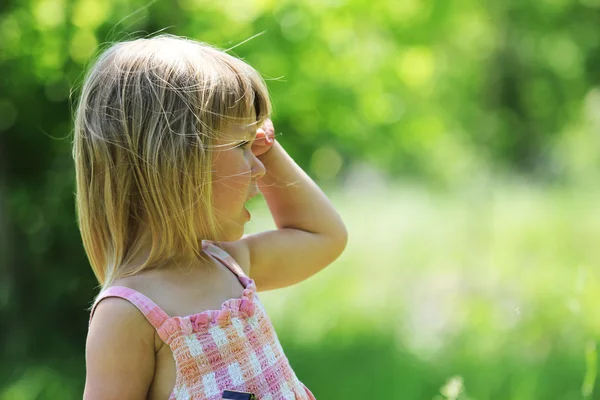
(265, 137)
(268, 127)
(261, 137)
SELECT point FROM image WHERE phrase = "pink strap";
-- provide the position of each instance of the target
(225, 259)
(153, 313)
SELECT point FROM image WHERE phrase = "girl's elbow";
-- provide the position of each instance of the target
(339, 240)
(343, 237)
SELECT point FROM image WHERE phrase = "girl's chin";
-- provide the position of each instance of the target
(235, 232)
(233, 229)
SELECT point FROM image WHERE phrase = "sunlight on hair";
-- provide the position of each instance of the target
(149, 113)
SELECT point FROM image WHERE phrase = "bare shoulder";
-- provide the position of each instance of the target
(239, 251)
(114, 314)
(120, 352)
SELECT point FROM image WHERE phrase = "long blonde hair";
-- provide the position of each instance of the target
(148, 115)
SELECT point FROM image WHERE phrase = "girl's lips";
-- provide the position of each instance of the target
(253, 193)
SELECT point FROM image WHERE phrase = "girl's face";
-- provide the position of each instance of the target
(235, 171)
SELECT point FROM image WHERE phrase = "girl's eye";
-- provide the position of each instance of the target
(244, 145)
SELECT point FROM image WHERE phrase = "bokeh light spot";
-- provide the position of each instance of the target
(83, 45)
(416, 67)
(326, 163)
(562, 55)
(49, 13)
(90, 13)
(296, 25)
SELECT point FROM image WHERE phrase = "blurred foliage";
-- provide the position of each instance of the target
(490, 294)
(433, 88)
(452, 93)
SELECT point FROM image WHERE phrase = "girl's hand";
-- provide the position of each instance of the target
(265, 137)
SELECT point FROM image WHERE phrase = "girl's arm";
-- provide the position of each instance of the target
(310, 232)
(119, 353)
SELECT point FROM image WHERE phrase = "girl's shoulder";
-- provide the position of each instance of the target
(113, 317)
(179, 292)
(236, 253)
(124, 305)
(120, 349)
(123, 310)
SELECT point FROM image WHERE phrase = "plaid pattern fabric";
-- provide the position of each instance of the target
(234, 348)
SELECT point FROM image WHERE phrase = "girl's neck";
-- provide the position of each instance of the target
(177, 261)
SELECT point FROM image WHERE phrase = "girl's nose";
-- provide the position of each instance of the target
(258, 168)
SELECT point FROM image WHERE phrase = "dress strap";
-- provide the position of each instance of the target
(153, 313)
(225, 259)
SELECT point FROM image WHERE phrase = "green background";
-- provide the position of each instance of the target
(460, 141)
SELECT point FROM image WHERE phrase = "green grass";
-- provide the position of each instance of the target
(484, 293)
(497, 287)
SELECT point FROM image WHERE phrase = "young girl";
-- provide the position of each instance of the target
(172, 138)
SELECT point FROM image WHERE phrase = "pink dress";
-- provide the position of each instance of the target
(234, 348)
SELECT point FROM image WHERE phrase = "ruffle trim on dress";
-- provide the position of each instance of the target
(243, 307)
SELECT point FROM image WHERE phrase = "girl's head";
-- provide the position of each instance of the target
(159, 154)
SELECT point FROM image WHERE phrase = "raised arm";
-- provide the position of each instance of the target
(310, 234)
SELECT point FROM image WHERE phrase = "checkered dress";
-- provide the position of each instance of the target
(234, 348)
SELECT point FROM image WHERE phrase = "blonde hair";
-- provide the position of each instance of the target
(148, 115)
